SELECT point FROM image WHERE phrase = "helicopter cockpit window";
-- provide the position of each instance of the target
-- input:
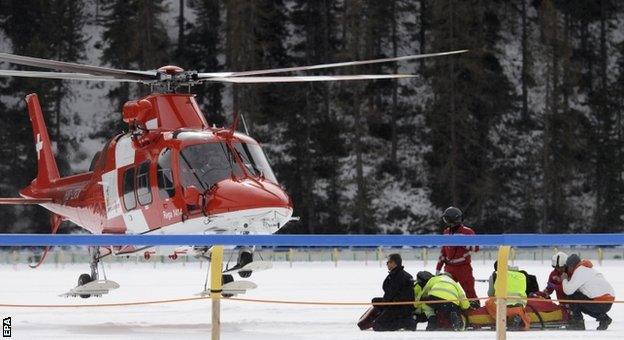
(203, 165)
(128, 189)
(164, 174)
(255, 161)
(144, 192)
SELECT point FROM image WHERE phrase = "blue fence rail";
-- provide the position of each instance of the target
(517, 240)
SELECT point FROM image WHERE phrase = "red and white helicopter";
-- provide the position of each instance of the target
(171, 173)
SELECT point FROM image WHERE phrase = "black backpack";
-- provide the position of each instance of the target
(531, 283)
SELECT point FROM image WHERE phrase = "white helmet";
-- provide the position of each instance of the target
(559, 259)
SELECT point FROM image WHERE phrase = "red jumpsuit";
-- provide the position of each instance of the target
(457, 261)
(554, 284)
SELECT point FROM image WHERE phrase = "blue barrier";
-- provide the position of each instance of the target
(315, 240)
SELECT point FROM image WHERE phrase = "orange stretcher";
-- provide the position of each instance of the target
(543, 313)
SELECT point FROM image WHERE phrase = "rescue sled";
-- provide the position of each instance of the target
(544, 314)
(366, 320)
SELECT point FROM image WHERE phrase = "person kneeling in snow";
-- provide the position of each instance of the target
(441, 288)
(582, 282)
(397, 287)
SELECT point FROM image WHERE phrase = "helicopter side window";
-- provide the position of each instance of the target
(144, 192)
(128, 189)
(164, 174)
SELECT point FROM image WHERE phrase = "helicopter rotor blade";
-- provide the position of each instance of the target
(296, 79)
(78, 68)
(323, 66)
(67, 76)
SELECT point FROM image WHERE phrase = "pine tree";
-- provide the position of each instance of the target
(55, 32)
(135, 38)
(318, 148)
(609, 213)
(201, 52)
(471, 94)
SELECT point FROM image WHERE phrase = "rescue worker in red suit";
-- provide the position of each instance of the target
(456, 259)
(555, 278)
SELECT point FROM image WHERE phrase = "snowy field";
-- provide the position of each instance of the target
(316, 281)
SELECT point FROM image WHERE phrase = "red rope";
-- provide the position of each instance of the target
(288, 302)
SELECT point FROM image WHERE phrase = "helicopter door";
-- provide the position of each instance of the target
(169, 213)
(137, 199)
(133, 216)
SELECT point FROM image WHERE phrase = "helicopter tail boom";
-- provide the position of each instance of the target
(47, 171)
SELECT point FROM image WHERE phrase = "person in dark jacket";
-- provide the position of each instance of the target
(398, 287)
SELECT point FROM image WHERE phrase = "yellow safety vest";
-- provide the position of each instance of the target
(445, 288)
(418, 294)
(516, 287)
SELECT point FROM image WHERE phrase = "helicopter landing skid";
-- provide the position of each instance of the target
(232, 288)
(93, 288)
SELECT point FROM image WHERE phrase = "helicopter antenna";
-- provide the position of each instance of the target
(234, 125)
(229, 132)
(244, 124)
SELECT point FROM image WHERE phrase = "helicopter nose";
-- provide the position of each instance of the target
(230, 195)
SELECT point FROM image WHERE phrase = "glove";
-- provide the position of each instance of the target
(541, 294)
(437, 272)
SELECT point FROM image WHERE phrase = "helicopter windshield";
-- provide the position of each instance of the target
(254, 160)
(203, 165)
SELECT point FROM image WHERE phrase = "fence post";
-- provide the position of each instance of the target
(600, 256)
(216, 269)
(501, 293)
(512, 255)
(425, 256)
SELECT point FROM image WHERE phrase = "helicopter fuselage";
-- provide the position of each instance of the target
(171, 173)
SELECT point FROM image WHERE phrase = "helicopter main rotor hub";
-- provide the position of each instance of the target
(171, 78)
(171, 69)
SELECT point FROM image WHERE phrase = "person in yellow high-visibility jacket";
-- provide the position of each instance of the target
(420, 309)
(441, 288)
(516, 298)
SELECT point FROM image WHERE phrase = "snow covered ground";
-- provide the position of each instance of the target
(315, 281)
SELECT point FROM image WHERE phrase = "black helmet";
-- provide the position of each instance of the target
(423, 277)
(452, 216)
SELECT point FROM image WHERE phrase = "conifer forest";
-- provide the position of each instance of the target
(524, 132)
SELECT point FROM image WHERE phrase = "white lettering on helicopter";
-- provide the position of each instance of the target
(168, 215)
(71, 194)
